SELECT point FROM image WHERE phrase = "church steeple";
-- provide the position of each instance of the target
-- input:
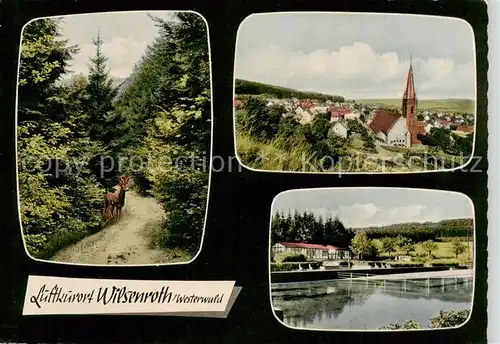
(409, 97)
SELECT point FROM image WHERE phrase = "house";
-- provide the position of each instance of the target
(340, 129)
(311, 251)
(465, 129)
(352, 115)
(338, 113)
(306, 116)
(389, 127)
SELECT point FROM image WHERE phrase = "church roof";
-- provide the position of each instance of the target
(410, 92)
(383, 120)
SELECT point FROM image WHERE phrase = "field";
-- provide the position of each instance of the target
(453, 105)
(444, 251)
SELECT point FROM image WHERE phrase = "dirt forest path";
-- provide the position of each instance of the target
(125, 242)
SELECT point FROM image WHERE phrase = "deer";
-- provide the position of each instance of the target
(114, 201)
(124, 182)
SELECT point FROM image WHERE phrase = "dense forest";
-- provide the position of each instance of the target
(308, 228)
(422, 231)
(244, 87)
(67, 125)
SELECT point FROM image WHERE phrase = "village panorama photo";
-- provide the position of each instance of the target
(354, 93)
(377, 259)
(114, 134)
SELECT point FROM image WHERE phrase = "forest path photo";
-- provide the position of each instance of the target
(89, 121)
(128, 241)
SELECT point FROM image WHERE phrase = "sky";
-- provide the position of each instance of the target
(358, 55)
(125, 36)
(360, 207)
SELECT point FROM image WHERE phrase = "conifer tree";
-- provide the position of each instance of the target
(59, 203)
(102, 121)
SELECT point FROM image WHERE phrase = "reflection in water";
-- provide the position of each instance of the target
(358, 304)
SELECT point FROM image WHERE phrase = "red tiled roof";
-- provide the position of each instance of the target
(383, 120)
(339, 111)
(465, 128)
(314, 246)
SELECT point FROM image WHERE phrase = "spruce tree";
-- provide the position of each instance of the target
(101, 94)
(103, 123)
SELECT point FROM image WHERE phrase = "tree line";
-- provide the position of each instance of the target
(67, 125)
(306, 227)
(420, 232)
(245, 87)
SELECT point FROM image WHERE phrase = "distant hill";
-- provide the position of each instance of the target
(245, 87)
(449, 105)
(445, 228)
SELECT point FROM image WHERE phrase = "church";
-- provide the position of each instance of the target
(400, 130)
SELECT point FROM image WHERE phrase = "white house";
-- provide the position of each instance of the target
(306, 116)
(340, 129)
(311, 251)
(390, 128)
(352, 115)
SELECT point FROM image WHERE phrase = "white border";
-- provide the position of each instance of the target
(375, 188)
(211, 139)
(366, 14)
(493, 331)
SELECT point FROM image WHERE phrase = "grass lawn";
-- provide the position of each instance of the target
(453, 105)
(444, 251)
(357, 143)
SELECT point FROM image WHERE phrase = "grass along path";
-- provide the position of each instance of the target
(129, 241)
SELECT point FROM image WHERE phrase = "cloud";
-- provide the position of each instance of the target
(122, 53)
(355, 71)
(361, 215)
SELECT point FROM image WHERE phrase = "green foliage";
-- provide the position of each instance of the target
(260, 121)
(445, 319)
(59, 195)
(429, 246)
(458, 248)
(419, 232)
(294, 266)
(390, 245)
(363, 247)
(256, 88)
(407, 325)
(450, 318)
(66, 126)
(290, 257)
(166, 116)
(446, 141)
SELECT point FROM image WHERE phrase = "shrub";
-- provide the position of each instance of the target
(290, 257)
(450, 318)
(408, 325)
(293, 266)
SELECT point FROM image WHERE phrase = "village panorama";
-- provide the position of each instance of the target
(283, 129)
